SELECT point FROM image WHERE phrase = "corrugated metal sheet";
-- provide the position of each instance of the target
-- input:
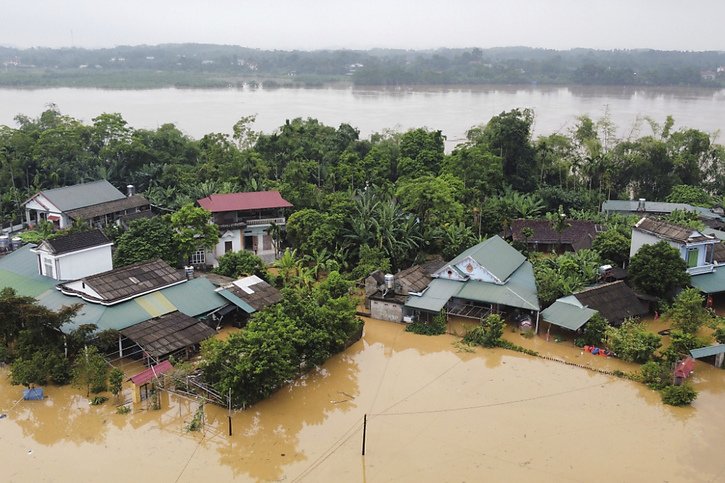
(436, 296)
(155, 304)
(713, 282)
(236, 301)
(25, 286)
(567, 315)
(80, 195)
(195, 297)
(712, 350)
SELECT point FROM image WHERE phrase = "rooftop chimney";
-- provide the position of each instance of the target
(189, 272)
(640, 205)
(130, 190)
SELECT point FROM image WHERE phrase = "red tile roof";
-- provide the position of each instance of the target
(254, 200)
(145, 376)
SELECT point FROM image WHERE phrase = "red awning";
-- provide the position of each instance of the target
(53, 217)
(144, 377)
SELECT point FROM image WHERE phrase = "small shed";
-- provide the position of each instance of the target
(33, 394)
(716, 351)
(142, 379)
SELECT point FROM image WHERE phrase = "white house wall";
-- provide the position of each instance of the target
(640, 239)
(72, 266)
(79, 286)
(475, 271)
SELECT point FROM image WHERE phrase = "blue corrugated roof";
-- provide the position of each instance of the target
(712, 350)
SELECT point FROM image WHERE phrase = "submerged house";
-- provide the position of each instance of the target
(578, 235)
(250, 294)
(491, 276)
(704, 253)
(151, 292)
(97, 203)
(385, 295)
(614, 301)
(245, 221)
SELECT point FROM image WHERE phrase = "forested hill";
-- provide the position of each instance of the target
(201, 65)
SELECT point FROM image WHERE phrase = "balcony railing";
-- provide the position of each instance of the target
(266, 221)
(701, 269)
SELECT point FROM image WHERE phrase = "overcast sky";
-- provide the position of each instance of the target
(361, 24)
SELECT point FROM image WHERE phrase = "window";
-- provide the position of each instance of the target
(692, 257)
(228, 246)
(48, 262)
(198, 258)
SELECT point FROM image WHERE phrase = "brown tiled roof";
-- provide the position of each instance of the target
(76, 241)
(579, 234)
(669, 231)
(167, 334)
(719, 254)
(432, 265)
(123, 283)
(415, 279)
(615, 301)
(264, 295)
(108, 207)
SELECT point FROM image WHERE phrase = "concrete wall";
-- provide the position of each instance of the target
(640, 239)
(389, 311)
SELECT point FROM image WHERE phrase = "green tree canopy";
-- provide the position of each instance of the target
(147, 239)
(193, 230)
(658, 269)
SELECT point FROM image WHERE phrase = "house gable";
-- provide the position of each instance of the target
(475, 271)
(450, 272)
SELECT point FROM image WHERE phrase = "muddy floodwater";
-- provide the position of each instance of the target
(435, 413)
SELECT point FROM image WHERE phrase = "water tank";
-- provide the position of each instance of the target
(4, 243)
(389, 281)
(189, 272)
(16, 242)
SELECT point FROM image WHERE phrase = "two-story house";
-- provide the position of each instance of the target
(695, 247)
(245, 222)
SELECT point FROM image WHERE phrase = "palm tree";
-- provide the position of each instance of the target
(288, 264)
(558, 221)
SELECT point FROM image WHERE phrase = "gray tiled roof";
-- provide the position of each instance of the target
(169, 333)
(671, 231)
(264, 295)
(108, 207)
(77, 241)
(123, 283)
(80, 195)
(615, 301)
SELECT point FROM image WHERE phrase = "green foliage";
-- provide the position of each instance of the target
(42, 367)
(241, 263)
(686, 218)
(688, 312)
(680, 345)
(682, 395)
(594, 330)
(508, 135)
(655, 375)
(90, 370)
(302, 331)
(436, 326)
(632, 342)
(488, 333)
(115, 381)
(310, 229)
(98, 400)
(565, 274)
(193, 230)
(123, 410)
(719, 334)
(693, 195)
(658, 269)
(612, 246)
(146, 239)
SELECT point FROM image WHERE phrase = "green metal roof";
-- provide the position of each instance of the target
(712, 350)
(237, 301)
(436, 296)
(494, 254)
(519, 291)
(712, 282)
(195, 297)
(567, 315)
(80, 195)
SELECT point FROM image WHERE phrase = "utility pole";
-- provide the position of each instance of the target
(365, 427)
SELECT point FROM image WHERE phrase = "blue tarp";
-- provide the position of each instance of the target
(34, 394)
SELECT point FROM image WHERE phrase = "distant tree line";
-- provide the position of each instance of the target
(202, 65)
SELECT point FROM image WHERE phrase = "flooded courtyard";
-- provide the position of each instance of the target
(435, 412)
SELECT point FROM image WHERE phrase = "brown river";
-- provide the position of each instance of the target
(436, 412)
(452, 109)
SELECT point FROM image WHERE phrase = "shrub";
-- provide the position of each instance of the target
(488, 334)
(688, 312)
(631, 342)
(655, 375)
(678, 395)
(593, 333)
(123, 409)
(435, 327)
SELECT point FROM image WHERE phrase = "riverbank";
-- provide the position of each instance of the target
(434, 413)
